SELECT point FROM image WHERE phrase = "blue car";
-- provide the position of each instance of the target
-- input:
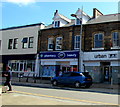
(76, 79)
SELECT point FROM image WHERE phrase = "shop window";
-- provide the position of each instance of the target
(25, 43)
(57, 24)
(15, 45)
(30, 45)
(50, 44)
(98, 40)
(115, 39)
(22, 65)
(10, 44)
(59, 43)
(77, 42)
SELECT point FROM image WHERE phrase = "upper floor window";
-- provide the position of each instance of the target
(115, 39)
(77, 42)
(78, 21)
(15, 45)
(25, 43)
(10, 44)
(98, 40)
(57, 23)
(30, 44)
(50, 44)
(59, 43)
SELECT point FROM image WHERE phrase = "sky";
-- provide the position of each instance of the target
(24, 12)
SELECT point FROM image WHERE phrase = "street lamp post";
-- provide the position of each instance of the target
(80, 62)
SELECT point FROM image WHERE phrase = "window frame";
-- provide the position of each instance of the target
(115, 40)
(24, 43)
(15, 43)
(102, 40)
(59, 44)
(50, 42)
(77, 42)
(30, 43)
(56, 24)
(10, 43)
(78, 21)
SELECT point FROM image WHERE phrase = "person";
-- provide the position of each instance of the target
(60, 72)
(8, 75)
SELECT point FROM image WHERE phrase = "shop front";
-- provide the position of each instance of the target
(103, 66)
(53, 62)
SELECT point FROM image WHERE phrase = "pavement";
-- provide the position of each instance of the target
(96, 87)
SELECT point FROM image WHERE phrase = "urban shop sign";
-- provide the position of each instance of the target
(105, 56)
(58, 55)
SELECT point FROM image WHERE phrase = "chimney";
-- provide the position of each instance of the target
(96, 13)
(55, 12)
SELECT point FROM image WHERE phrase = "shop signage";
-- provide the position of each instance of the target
(105, 56)
(58, 55)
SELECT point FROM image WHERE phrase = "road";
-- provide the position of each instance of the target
(22, 95)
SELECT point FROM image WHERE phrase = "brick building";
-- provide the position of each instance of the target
(59, 46)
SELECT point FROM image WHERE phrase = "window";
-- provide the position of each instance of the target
(66, 74)
(78, 21)
(10, 44)
(25, 43)
(15, 45)
(30, 45)
(115, 39)
(50, 44)
(75, 74)
(59, 43)
(98, 40)
(57, 23)
(77, 42)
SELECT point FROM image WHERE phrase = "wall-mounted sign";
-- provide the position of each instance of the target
(105, 56)
(58, 55)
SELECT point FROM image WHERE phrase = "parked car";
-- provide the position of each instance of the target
(76, 79)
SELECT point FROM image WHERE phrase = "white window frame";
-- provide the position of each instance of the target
(114, 40)
(25, 44)
(78, 21)
(99, 40)
(10, 45)
(31, 41)
(56, 24)
(76, 42)
(58, 44)
(15, 44)
(50, 42)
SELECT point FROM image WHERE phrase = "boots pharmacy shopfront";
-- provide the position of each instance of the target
(103, 66)
(52, 62)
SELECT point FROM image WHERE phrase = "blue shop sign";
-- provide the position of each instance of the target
(58, 55)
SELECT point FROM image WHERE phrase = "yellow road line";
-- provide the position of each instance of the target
(65, 98)
(80, 92)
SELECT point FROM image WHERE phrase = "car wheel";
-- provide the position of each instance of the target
(77, 84)
(54, 83)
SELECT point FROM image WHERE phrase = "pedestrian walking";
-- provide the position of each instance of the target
(8, 75)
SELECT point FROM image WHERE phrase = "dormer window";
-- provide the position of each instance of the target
(57, 24)
(78, 21)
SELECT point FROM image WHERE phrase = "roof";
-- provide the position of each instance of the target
(105, 18)
(15, 27)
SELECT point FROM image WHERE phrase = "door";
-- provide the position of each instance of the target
(107, 73)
